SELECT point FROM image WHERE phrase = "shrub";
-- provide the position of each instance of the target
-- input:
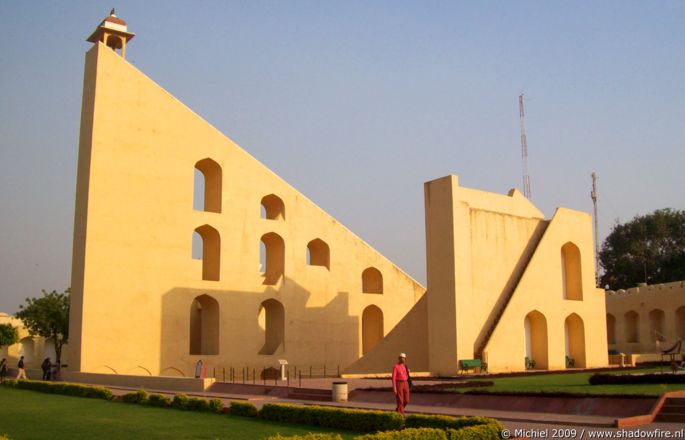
(158, 400)
(10, 383)
(310, 436)
(215, 406)
(490, 431)
(447, 422)
(195, 404)
(625, 379)
(338, 418)
(180, 402)
(139, 396)
(243, 409)
(65, 388)
(407, 434)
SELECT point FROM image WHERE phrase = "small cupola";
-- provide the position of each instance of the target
(113, 32)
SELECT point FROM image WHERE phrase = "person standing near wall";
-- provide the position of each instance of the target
(400, 383)
(20, 368)
(46, 366)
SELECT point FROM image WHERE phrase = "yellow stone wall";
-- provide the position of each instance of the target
(647, 318)
(134, 281)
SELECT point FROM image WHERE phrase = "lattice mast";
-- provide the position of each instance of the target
(593, 195)
(524, 149)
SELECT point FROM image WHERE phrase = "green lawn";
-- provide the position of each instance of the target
(573, 383)
(32, 415)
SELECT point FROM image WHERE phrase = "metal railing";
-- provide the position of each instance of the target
(270, 375)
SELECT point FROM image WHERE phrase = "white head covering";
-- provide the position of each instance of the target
(402, 355)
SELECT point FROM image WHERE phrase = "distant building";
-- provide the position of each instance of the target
(33, 348)
(251, 272)
(646, 319)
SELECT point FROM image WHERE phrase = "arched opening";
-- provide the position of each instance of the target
(49, 350)
(372, 327)
(271, 321)
(204, 325)
(172, 372)
(632, 326)
(574, 331)
(207, 194)
(272, 208)
(535, 325)
(318, 253)
(656, 325)
(115, 43)
(372, 280)
(272, 257)
(571, 272)
(611, 329)
(680, 323)
(27, 349)
(208, 245)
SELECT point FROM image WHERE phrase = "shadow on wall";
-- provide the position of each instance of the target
(228, 328)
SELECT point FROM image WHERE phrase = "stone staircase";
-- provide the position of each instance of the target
(673, 411)
(498, 310)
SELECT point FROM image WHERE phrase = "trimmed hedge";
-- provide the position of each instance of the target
(628, 379)
(158, 400)
(139, 396)
(359, 420)
(66, 388)
(243, 409)
(183, 402)
(447, 422)
(310, 436)
(491, 431)
(407, 434)
(180, 402)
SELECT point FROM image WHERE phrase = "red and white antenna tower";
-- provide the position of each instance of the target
(524, 149)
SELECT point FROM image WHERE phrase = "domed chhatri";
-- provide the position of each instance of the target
(113, 32)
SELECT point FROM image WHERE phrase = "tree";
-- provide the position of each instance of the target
(48, 317)
(8, 335)
(647, 249)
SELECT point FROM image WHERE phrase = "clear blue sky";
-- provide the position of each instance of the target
(356, 104)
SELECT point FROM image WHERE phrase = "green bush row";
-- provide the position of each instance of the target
(628, 379)
(337, 418)
(373, 421)
(139, 396)
(481, 432)
(310, 436)
(447, 422)
(158, 400)
(180, 401)
(65, 388)
(243, 409)
(407, 434)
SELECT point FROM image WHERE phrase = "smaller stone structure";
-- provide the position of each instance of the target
(33, 348)
(646, 319)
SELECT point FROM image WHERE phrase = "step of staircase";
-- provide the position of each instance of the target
(673, 411)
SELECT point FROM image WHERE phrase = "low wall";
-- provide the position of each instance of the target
(147, 382)
(602, 406)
